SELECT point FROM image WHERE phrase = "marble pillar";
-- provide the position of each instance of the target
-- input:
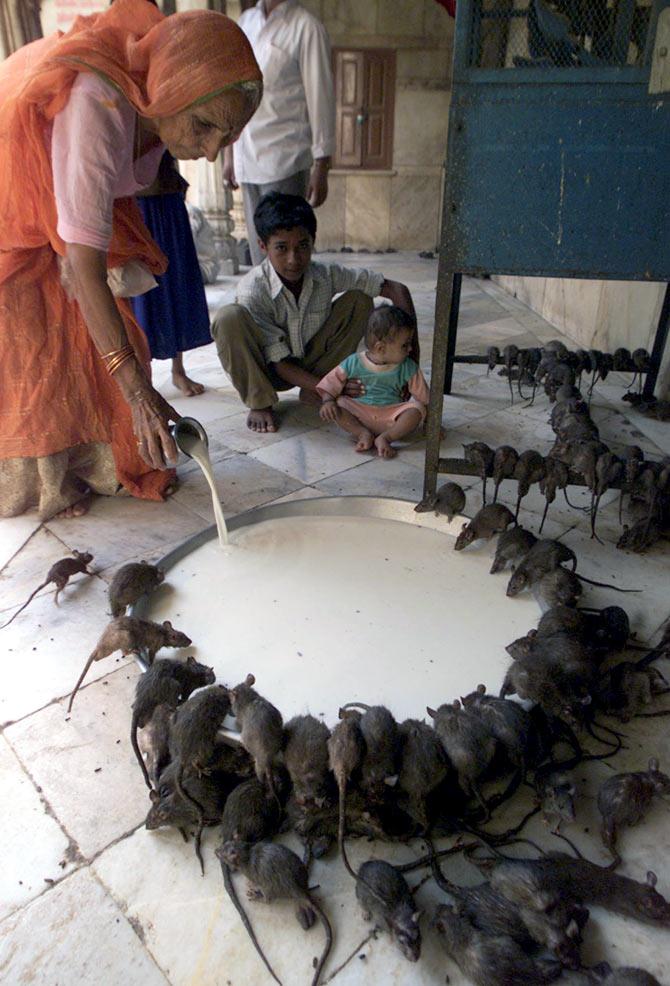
(216, 201)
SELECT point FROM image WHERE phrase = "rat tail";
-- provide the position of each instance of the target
(90, 661)
(183, 793)
(232, 893)
(136, 750)
(21, 608)
(340, 831)
(329, 940)
(604, 585)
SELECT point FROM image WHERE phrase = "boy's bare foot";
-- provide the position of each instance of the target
(384, 448)
(261, 420)
(77, 509)
(364, 441)
(188, 387)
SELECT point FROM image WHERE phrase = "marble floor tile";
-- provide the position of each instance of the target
(36, 851)
(104, 795)
(53, 642)
(28, 568)
(293, 418)
(74, 933)
(377, 477)
(311, 456)
(125, 529)
(14, 532)
(304, 493)
(243, 482)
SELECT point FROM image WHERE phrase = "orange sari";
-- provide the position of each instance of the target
(54, 390)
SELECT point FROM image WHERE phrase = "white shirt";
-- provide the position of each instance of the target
(287, 324)
(295, 121)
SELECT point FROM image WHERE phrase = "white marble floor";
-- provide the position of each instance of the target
(87, 895)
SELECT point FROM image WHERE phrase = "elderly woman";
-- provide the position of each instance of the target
(85, 118)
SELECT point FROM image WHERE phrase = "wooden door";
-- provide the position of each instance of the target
(364, 90)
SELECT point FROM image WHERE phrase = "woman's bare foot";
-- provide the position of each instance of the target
(188, 387)
(384, 448)
(77, 509)
(365, 440)
(261, 420)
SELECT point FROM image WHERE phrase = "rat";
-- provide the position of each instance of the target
(194, 733)
(130, 583)
(480, 455)
(626, 798)
(510, 355)
(60, 574)
(275, 873)
(493, 914)
(515, 729)
(384, 895)
(558, 692)
(543, 557)
(449, 500)
(154, 741)
(489, 960)
(529, 469)
(556, 477)
(132, 636)
(306, 759)
(513, 544)
(469, 745)
(261, 727)
(487, 522)
(346, 749)
(169, 682)
(542, 883)
(423, 767)
(626, 688)
(557, 588)
(556, 794)
(250, 815)
(168, 808)
(609, 470)
(504, 462)
(379, 768)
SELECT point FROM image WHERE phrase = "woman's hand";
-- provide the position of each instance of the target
(151, 423)
(328, 411)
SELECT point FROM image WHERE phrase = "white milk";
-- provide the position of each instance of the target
(326, 610)
(191, 444)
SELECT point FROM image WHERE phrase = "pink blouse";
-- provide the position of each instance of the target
(92, 146)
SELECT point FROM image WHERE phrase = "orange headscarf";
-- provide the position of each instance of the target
(54, 391)
(161, 64)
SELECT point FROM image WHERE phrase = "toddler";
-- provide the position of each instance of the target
(382, 414)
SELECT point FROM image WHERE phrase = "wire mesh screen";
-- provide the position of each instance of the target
(560, 33)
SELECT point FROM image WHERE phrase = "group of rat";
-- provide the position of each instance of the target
(373, 777)
(578, 455)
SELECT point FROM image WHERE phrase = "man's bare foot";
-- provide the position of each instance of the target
(261, 420)
(364, 441)
(188, 387)
(77, 509)
(309, 397)
(384, 448)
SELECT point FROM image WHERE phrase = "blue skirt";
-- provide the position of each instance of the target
(174, 315)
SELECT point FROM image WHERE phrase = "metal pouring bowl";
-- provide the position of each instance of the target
(187, 428)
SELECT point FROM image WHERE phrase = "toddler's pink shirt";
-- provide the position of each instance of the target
(92, 144)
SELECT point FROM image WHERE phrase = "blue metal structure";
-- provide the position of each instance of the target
(558, 158)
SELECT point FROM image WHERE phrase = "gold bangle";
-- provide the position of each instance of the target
(116, 352)
(118, 362)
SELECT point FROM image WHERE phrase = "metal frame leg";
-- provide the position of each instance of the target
(446, 287)
(452, 331)
(660, 340)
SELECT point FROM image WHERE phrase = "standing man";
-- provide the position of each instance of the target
(286, 147)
